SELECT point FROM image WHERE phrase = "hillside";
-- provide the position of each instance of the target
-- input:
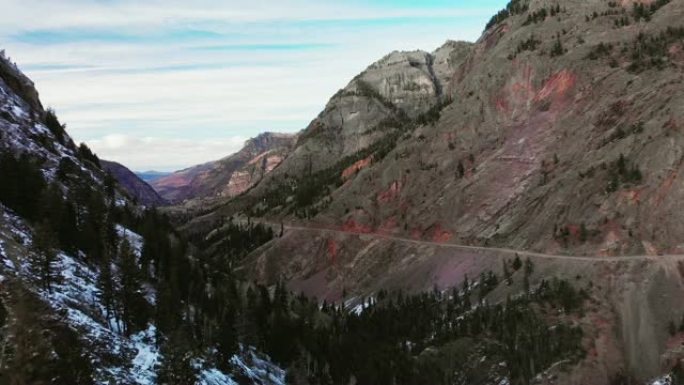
(556, 132)
(136, 188)
(503, 212)
(552, 141)
(229, 176)
(89, 281)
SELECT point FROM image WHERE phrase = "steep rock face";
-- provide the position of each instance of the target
(136, 188)
(564, 137)
(372, 107)
(25, 127)
(229, 176)
(21, 85)
(554, 141)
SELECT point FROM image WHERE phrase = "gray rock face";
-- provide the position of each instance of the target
(371, 106)
(553, 143)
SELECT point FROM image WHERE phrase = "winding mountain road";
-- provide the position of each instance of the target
(482, 249)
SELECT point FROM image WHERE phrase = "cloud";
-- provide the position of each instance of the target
(194, 71)
(162, 154)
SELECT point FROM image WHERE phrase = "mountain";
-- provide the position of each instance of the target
(149, 176)
(231, 175)
(95, 289)
(555, 137)
(524, 151)
(497, 212)
(136, 188)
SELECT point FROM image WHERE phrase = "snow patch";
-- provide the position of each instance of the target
(257, 369)
(214, 377)
(148, 357)
(134, 239)
(75, 294)
(666, 380)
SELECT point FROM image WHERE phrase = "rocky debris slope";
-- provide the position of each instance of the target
(229, 176)
(137, 189)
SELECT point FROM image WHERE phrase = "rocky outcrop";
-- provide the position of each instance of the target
(19, 83)
(137, 189)
(371, 108)
(229, 176)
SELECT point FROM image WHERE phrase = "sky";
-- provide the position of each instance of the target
(166, 84)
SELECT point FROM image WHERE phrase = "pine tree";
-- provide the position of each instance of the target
(678, 373)
(176, 366)
(507, 274)
(529, 268)
(517, 262)
(227, 344)
(105, 284)
(44, 246)
(672, 328)
(557, 49)
(133, 312)
(583, 233)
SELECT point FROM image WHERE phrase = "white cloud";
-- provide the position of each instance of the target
(150, 153)
(160, 83)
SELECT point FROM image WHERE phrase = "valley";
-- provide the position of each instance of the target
(505, 211)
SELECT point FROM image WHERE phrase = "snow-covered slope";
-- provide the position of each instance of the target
(115, 357)
(61, 322)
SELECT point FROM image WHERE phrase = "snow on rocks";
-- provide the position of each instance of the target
(666, 380)
(214, 377)
(258, 369)
(147, 358)
(135, 240)
(75, 294)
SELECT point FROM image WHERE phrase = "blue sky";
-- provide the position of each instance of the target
(168, 84)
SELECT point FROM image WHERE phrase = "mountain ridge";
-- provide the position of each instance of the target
(228, 176)
(139, 190)
(558, 134)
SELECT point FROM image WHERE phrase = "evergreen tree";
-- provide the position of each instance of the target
(583, 233)
(105, 284)
(529, 268)
(227, 343)
(44, 246)
(557, 49)
(176, 364)
(507, 273)
(133, 311)
(55, 127)
(678, 373)
(517, 262)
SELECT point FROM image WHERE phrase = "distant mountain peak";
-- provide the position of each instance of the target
(229, 176)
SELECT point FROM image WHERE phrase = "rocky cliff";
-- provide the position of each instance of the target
(559, 131)
(560, 135)
(229, 176)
